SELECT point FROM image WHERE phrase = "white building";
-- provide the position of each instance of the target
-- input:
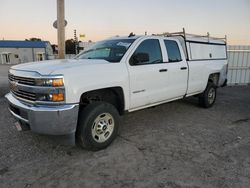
(85, 45)
(12, 52)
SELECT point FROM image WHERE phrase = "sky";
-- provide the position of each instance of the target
(100, 19)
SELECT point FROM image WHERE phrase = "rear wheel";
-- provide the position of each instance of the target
(208, 97)
(98, 126)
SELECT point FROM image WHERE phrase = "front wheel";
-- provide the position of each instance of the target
(98, 126)
(208, 97)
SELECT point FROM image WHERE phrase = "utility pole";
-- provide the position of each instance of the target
(61, 29)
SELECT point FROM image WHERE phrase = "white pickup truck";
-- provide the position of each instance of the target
(85, 96)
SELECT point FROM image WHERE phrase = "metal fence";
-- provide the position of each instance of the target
(238, 65)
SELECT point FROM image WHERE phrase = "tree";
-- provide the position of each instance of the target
(33, 39)
(70, 46)
(55, 48)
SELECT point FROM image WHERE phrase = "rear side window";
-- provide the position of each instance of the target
(173, 51)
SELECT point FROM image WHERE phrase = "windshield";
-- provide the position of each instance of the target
(110, 50)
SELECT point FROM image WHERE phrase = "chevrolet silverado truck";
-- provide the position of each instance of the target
(85, 96)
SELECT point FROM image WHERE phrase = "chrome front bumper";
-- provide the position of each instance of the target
(51, 120)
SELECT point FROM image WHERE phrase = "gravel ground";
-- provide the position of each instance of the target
(172, 145)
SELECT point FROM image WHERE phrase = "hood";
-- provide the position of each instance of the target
(48, 67)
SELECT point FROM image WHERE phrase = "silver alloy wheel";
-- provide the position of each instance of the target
(211, 95)
(103, 127)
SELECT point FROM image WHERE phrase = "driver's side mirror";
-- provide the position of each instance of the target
(139, 58)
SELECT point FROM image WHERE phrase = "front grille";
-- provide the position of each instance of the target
(17, 91)
(24, 95)
(22, 80)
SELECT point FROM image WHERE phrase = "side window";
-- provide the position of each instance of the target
(173, 51)
(148, 52)
(6, 57)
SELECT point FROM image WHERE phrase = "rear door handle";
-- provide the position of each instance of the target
(163, 70)
(183, 68)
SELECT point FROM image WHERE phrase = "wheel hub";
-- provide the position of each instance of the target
(211, 95)
(103, 127)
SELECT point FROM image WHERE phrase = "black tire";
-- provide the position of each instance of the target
(208, 97)
(88, 117)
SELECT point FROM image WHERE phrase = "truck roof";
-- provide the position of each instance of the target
(124, 37)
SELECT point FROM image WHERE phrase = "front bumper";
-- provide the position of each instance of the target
(50, 120)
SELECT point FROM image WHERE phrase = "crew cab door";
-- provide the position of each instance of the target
(177, 74)
(148, 75)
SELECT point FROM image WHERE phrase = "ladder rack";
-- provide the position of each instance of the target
(185, 35)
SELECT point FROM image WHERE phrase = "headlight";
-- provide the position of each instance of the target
(57, 82)
(51, 82)
(55, 97)
(55, 92)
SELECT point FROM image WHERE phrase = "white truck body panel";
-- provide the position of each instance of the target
(199, 72)
(199, 51)
(94, 77)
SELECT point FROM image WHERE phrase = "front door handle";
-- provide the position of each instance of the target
(163, 70)
(183, 68)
